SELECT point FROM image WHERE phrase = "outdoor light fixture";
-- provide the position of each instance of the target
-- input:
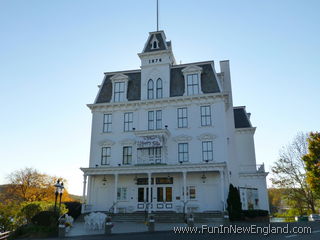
(168, 176)
(203, 177)
(59, 188)
(104, 180)
(180, 162)
(166, 126)
(135, 179)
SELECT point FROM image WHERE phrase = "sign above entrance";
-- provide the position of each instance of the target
(149, 141)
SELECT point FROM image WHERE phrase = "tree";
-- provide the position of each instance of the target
(289, 173)
(29, 185)
(312, 161)
(234, 204)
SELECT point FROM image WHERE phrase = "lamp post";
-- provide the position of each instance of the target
(56, 193)
(59, 188)
(61, 192)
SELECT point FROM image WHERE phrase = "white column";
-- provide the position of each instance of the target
(222, 189)
(184, 174)
(115, 192)
(149, 192)
(84, 188)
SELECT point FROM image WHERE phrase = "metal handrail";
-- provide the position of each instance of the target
(4, 235)
(112, 207)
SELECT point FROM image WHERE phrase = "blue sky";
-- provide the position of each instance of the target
(53, 55)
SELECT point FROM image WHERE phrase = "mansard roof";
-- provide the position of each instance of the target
(209, 82)
(241, 119)
(160, 36)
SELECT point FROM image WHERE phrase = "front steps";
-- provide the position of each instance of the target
(166, 217)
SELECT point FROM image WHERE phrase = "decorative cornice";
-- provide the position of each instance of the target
(206, 136)
(159, 102)
(119, 77)
(182, 138)
(246, 130)
(191, 68)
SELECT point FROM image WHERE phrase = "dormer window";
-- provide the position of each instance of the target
(154, 42)
(118, 95)
(119, 87)
(192, 79)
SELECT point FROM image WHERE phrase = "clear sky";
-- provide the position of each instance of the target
(53, 55)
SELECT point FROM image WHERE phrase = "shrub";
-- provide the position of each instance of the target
(234, 204)
(29, 210)
(45, 218)
(255, 213)
(74, 209)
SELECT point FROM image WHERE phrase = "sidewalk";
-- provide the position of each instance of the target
(79, 229)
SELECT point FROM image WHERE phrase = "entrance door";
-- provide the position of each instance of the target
(143, 193)
(164, 198)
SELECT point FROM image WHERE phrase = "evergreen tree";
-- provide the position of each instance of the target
(234, 204)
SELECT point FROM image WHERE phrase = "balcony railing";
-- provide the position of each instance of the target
(255, 168)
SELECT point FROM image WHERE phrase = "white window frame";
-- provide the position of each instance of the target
(159, 88)
(107, 123)
(128, 121)
(105, 155)
(182, 117)
(150, 89)
(192, 70)
(183, 152)
(127, 157)
(207, 151)
(119, 80)
(155, 120)
(205, 116)
(122, 194)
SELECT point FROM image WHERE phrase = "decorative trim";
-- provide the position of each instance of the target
(182, 138)
(246, 130)
(206, 136)
(156, 102)
(128, 141)
(106, 143)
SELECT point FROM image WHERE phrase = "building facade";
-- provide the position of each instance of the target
(166, 137)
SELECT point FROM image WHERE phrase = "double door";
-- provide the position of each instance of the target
(161, 197)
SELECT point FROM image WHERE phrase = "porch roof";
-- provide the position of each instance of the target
(155, 168)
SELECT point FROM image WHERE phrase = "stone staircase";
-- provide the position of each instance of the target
(165, 217)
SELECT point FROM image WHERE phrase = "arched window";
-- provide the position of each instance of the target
(155, 45)
(159, 88)
(150, 89)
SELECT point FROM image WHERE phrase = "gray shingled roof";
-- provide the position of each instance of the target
(162, 45)
(133, 92)
(240, 118)
(209, 83)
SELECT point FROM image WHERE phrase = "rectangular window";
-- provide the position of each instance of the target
(207, 151)
(205, 115)
(192, 192)
(182, 118)
(154, 154)
(105, 155)
(122, 194)
(107, 122)
(118, 94)
(127, 155)
(183, 152)
(155, 120)
(150, 120)
(128, 121)
(192, 84)
(158, 119)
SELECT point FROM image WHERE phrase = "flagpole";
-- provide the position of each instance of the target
(157, 15)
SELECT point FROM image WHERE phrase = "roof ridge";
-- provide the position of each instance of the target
(192, 63)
